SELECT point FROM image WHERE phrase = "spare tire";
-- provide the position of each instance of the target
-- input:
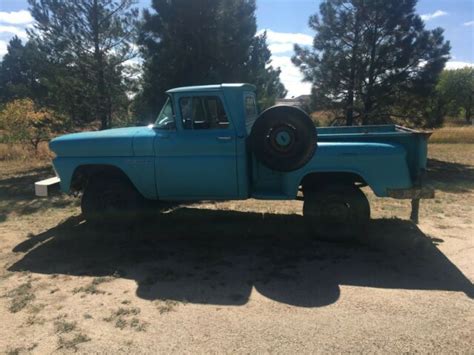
(283, 138)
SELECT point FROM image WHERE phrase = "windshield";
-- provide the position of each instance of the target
(165, 119)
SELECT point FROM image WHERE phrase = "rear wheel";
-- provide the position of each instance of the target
(336, 212)
(110, 198)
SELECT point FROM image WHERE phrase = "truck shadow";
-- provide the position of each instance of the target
(218, 257)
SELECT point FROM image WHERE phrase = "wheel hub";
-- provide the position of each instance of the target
(282, 138)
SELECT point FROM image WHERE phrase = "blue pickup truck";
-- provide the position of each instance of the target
(211, 143)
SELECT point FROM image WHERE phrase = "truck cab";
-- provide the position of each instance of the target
(200, 142)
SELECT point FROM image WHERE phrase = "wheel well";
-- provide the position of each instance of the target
(84, 173)
(315, 180)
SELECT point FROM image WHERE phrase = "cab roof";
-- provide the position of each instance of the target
(241, 86)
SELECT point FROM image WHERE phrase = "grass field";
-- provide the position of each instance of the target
(453, 135)
(238, 276)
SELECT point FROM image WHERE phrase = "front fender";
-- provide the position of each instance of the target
(140, 171)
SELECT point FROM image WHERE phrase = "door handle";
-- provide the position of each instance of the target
(224, 138)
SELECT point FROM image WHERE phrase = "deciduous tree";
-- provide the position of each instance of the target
(457, 86)
(26, 123)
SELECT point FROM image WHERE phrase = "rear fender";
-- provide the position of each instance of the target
(380, 166)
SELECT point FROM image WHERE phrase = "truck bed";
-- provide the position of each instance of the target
(364, 150)
(414, 142)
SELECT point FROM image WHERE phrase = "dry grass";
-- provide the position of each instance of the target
(122, 318)
(63, 326)
(166, 306)
(22, 152)
(455, 135)
(91, 288)
(20, 297)
(71, 343)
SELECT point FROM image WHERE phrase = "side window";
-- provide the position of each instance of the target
(203, 112)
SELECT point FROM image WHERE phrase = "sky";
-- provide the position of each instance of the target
(286, 23)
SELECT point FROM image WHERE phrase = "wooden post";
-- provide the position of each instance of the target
(415, 208)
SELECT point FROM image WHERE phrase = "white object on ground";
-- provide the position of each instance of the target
(41, 187)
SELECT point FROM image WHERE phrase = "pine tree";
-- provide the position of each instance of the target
(21, 72)
(367, 53)
(88, 41)
(260, 72)
(202, 42)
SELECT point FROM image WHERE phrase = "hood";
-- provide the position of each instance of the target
(110, 142)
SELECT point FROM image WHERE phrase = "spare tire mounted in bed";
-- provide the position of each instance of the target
(283, 138)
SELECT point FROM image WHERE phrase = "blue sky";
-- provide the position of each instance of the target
(286, 22)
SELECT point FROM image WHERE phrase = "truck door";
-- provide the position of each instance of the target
(198, 160)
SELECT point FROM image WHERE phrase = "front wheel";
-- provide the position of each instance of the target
(110, 198)
(336, 212)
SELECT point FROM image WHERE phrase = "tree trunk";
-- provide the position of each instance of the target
(370, 85)
(35, 143)
(367, 109)
(99, 62)
(350, 108)
(468, 110)
(352, 75)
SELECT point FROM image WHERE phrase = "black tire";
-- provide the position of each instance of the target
(111, 198)
(336, 212)
(283, 138)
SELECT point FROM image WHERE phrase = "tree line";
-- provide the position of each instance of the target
(102, 61)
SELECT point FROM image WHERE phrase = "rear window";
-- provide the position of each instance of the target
(250, 106)
(251, 111)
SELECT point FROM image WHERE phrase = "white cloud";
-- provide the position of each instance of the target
(21, 17)
(469, 23)
(437, 13)
(280, 48)
(281, 45)
(17, 31)
(458, 65)
(287, 38)
(3, 48)
(291, 76)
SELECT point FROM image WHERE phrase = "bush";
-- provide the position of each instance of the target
(22, 122)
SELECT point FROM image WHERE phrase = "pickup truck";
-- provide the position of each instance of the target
(211, 143)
